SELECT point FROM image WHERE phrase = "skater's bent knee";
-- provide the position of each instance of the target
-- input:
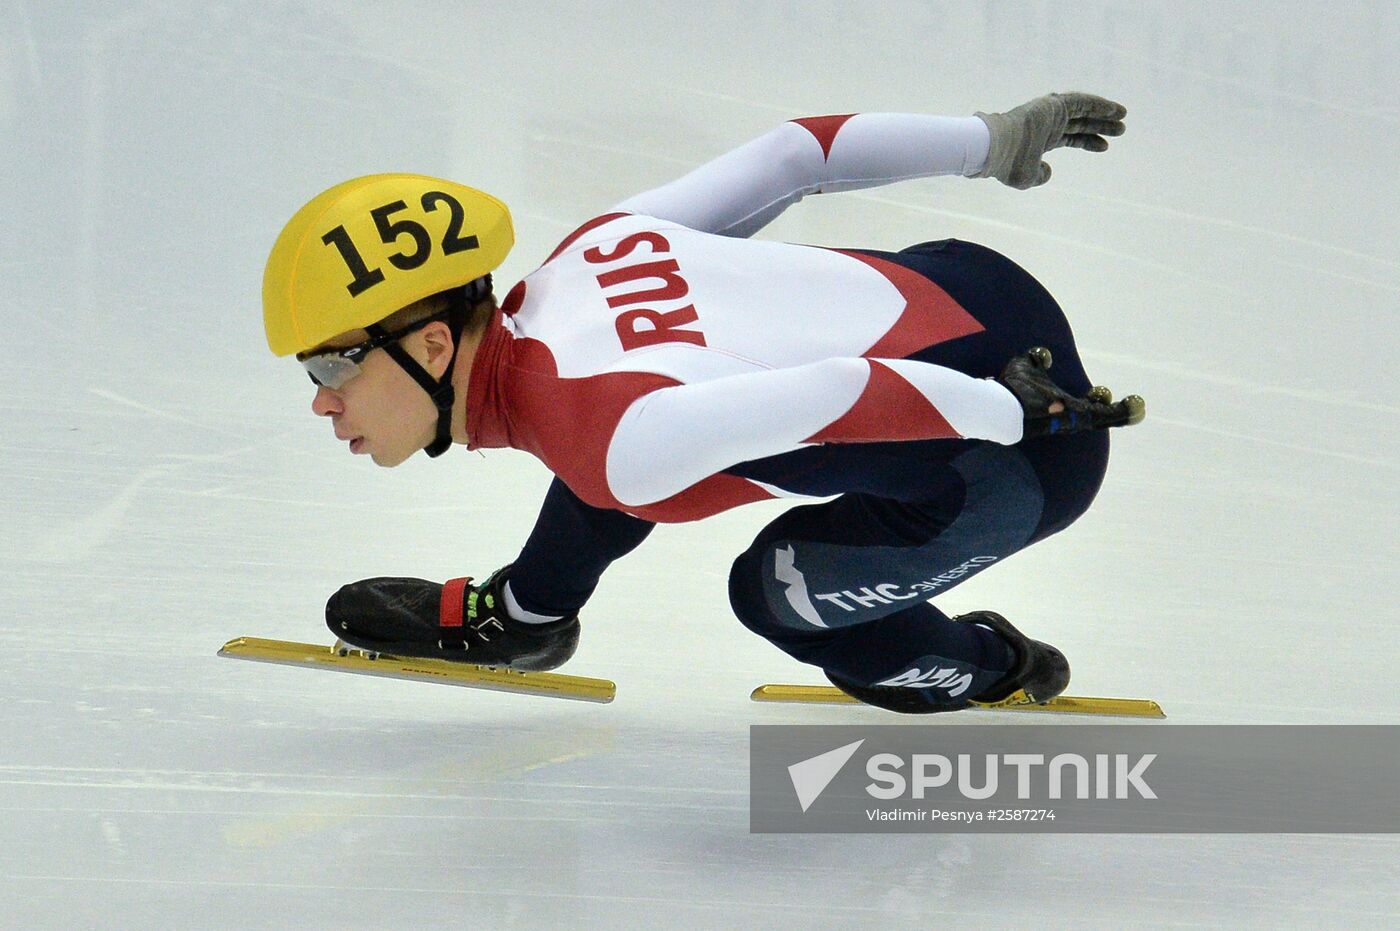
(746, 593)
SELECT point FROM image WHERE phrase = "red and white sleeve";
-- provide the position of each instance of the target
(743, 190)
(675, 437)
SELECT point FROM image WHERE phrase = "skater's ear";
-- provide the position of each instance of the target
(436, 342)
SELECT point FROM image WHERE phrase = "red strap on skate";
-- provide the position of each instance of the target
(450, 608)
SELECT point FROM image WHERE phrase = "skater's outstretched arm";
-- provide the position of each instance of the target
(568, 550)
(674, 437)
(743, 190)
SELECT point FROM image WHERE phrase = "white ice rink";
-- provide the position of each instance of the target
(1233, 258)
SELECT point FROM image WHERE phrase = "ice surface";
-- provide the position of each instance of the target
(1234, 259)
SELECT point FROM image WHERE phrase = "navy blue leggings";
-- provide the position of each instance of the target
(844, 584)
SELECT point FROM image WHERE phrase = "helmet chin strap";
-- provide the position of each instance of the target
(439, 390)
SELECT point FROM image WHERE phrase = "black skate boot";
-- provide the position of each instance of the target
(897, 698)
(1025, 377)
(456, 621)
(1038, 674)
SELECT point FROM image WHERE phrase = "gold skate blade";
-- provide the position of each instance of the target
(1064, 704)
(443, 672)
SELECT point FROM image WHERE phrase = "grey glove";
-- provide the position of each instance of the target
(1021, 137)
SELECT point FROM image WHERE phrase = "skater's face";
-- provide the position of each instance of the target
(381, 411)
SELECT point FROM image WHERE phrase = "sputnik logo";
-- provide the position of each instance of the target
(811, 776)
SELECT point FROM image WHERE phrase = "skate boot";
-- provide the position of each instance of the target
(897, 698)
(1040, 672)
(1026, 377)
(456, 621)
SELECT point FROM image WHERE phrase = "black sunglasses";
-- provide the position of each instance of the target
(334, 367)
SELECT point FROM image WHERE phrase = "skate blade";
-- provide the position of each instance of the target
(344, 658)
(1064, 704)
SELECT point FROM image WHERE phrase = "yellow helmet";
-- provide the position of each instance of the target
(371, 246)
